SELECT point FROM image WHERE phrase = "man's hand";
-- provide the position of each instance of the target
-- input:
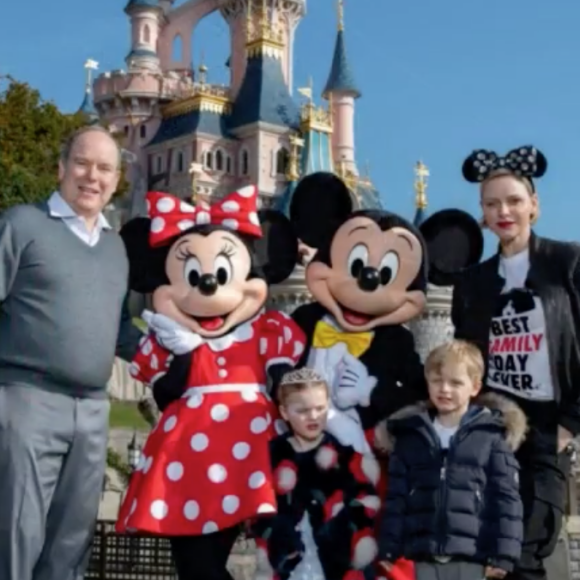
(564, 438)
(491, 572)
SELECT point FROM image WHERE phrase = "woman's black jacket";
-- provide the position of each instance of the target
(554, 276)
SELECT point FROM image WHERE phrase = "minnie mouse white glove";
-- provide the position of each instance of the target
(171, 335)
(353, 385)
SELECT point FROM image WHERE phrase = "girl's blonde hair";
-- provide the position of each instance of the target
(527, 183)
(299, 380)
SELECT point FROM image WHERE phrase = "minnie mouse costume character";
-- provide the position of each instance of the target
(209, 354)
(369, 279)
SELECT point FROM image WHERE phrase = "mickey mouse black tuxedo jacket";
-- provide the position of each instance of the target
(554, 276)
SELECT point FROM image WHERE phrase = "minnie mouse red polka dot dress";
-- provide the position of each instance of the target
(206, 465)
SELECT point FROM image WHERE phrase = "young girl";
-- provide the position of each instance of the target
(326, 495)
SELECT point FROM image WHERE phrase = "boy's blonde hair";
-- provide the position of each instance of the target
(297, 381)
(458, 351)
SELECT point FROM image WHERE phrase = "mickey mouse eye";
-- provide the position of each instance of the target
(389, 268)
(357, 259)
(192, 271)
(223, 270)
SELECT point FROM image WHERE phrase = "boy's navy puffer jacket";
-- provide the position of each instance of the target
(463, 502)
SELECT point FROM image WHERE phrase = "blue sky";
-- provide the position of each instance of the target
(438, 80)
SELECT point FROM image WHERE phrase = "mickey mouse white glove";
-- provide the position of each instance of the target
(353, 385)
(171, 335)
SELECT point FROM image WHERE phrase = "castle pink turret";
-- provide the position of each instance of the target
(146, 16)
(341, 91)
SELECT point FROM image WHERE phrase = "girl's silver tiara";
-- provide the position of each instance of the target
(304, 375)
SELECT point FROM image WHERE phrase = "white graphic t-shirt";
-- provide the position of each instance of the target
(519, 361)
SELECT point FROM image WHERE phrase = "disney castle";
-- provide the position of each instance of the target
(186, 135)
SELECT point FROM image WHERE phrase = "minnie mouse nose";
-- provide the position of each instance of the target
(208, 284)
(369, 279)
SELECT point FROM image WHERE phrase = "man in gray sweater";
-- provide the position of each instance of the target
(63, 283)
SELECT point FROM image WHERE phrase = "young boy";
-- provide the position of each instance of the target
(453, 504)
(325, 491)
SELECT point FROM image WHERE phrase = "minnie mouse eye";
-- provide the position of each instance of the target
(192, 271)
(357, 260)
(223, 270)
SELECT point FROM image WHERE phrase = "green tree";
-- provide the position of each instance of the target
(32, 131)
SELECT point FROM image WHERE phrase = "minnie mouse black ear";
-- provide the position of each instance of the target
(320, 203)
(146, 264)
(454, 242)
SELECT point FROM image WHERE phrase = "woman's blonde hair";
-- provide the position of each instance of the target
(528, 185)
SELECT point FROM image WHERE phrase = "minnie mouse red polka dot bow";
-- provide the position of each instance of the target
(170, 215)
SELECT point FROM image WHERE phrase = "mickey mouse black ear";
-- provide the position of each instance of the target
(276, 252)
(454, 242)
(320, 203)
(146, 264)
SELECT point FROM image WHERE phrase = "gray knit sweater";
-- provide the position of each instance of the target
(61, 304)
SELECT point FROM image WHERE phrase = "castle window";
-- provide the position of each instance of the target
(158, 164)
(180, 163)
(245, 162)
(143, 131)
(208, 160)
(282, 159)
(219, 160)
(146, 34)
(228, 164)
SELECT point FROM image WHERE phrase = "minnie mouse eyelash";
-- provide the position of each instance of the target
(183, 253)
(228, 250)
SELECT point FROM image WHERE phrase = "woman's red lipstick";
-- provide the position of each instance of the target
(505, 224)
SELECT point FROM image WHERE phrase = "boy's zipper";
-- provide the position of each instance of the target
(442, 504)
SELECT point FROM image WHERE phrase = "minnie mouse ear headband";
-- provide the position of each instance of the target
(526, 161)
(170, 215)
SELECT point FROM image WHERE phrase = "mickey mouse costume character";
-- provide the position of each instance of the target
(209, 354)
(368, 279)
(522, 308)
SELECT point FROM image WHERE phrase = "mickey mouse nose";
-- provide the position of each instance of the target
(208, 284)
(369, 279)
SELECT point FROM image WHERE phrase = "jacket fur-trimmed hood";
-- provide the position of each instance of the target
(514, 419)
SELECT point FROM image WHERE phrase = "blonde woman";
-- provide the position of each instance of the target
(522, 308)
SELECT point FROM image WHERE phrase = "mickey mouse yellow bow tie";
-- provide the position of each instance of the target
(326, 336)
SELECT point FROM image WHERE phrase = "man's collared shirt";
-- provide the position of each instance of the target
(59, 208)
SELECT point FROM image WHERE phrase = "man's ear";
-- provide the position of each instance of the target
(61, 170)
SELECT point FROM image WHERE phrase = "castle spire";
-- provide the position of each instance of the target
(340, 79)
(421, 175)
(87, 107)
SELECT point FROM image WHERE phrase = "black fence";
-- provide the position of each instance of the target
(136, 557)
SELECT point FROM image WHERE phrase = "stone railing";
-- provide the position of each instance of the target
(122, 386)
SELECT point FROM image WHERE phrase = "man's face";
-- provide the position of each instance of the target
(89, 177)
